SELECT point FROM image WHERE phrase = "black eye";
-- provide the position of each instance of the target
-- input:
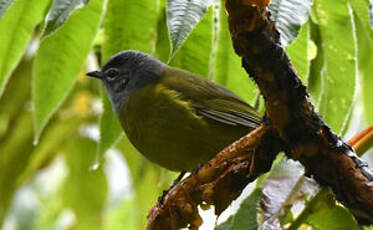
(111, 74)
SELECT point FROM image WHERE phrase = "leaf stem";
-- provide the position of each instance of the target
(362, 141)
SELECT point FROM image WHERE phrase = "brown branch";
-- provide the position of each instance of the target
(289, 109)
(217, 182)
(291, 125)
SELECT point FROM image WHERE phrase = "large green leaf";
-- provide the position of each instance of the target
(371, 13)
(110, 127)
(338, 85)
(182, 17)
(195, 54)
(122, 217)
(148, 181)
(300, 52)
(19, 159)
(85, 190)
(317, 72)
(326, 215)
(57, 134)
(51, 209)
(227, 70)
(364, 34)
(163, 45)
(121, 32)
(16, 27)
(246, 216)
(14, 158)
(289, 16)
(15, 134)
(4, 5)
(59, 12)
(59, 60)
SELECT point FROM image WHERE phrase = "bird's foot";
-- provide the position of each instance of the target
(174, 183)
(195, 171)
(362, 165)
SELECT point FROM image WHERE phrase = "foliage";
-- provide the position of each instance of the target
(62, 150)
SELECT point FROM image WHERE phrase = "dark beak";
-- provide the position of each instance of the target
(96, 74)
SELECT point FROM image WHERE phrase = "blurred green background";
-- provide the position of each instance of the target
(64, 160)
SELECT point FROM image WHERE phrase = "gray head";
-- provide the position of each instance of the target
(126, 72)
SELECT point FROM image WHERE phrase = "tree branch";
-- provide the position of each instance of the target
(290, 124)
(288, 107)
(218, 182)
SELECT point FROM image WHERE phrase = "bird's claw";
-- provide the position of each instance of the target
(360, 164)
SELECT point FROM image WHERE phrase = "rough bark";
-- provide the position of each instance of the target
(218, 182)
(290, 111)
(290, 125)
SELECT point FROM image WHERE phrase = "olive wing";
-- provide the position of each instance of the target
(211, 100)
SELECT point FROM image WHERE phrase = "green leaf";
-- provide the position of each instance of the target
(51, 209)
(16, 134)
(110, 127)
(59, 12)
(195, 54)
(59, 60)
(85, 190)
(227, 70)
(300, 53)
(16, 27)
(332, 219)
(122, 33)
(371, 12)
(15, 155)
(148, 180)
(182, 17)
(163, 46)
(338, 85)
(364, 34)
(57, 134)
(316, 71)
(16, 94)
(289, 16)
(4, 5)
(122, 217)
(323, 213)
(246, 216)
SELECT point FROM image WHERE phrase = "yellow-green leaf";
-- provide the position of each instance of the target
(4, 5)
(59, 60)
(182, 17)
(195, 53)
(59, 12)
(16, 27)
(364, 34)
(338, 84)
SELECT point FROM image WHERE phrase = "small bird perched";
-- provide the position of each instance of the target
(176, 119)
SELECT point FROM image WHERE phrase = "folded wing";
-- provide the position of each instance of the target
(211, 100)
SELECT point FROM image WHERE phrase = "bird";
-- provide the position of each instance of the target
(176, 119)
